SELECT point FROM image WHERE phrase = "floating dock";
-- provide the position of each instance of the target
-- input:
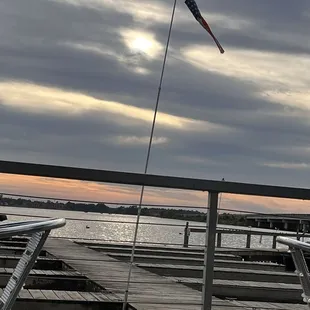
(93, 276)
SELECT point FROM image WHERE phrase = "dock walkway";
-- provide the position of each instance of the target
(148, 291)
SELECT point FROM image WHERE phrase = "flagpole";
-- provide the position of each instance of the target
(148, 158)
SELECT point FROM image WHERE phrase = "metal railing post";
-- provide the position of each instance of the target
(219, 240)
(186, 235)
(248, 241)
(208, 271)
(274, 242)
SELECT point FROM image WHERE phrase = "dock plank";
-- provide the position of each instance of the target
(49, 294)
(89, 296)
(221, 273)
(24, 294)
(140, 258)
(76, 295)
(37, 294)
(63, 295)
(162, 252)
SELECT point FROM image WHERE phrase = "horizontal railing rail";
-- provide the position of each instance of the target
(248, 231)
(130, 178)
(296, 244)
(11, 229)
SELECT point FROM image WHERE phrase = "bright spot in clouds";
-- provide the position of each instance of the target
(141, 42)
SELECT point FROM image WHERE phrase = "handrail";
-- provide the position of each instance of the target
(160, 181)
(28, 227)
(39, 231)
(248, 231)
(294, 243)
(296, 249)
(232, 231)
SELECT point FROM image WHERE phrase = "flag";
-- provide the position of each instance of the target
(191, 4)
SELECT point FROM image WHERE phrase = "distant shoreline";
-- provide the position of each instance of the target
(176, 214)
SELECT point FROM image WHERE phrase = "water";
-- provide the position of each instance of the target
(152, 229)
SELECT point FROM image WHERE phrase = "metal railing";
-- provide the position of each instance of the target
(214, 188)
(248, 231)
(296, 248)
(39, 231)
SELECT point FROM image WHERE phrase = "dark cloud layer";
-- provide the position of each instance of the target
(80, 49)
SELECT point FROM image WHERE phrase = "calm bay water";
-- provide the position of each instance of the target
(151, 230)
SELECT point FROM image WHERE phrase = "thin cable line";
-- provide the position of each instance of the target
(148, 156)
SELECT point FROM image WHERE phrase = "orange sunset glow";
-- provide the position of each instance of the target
(91, 191)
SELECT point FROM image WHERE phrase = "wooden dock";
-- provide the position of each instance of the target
(79, 276)
(148, 290)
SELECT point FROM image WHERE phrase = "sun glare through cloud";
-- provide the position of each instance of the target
(139, 42)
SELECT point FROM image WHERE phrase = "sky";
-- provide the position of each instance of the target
(79, 80)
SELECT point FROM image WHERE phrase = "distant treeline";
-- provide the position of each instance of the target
(178, 214)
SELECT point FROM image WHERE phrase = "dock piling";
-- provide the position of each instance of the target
(274, 242)
(219, 240)
(248, 240)
(186, 235)
(208, 272)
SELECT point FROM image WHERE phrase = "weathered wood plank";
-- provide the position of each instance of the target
(62, 295)
(25, 294)
(37, 294)
(140, 258)
(89, 297)
(76, 295)
(49, 294)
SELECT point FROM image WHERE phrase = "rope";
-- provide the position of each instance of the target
(148, 157)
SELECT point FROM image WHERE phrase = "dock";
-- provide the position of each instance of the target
(84, 275)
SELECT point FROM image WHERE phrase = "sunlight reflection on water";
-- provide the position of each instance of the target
(122, 232)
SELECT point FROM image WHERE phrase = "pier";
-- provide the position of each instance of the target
(289, 222)
(93, 275)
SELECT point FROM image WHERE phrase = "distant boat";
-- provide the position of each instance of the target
(87, 226)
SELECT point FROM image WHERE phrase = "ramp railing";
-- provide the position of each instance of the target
(39, 231)
(297, 248)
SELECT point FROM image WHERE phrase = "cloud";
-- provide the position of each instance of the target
(284, 84)
(134, 140)
(43, 100)
(79, 82)
(287, 165)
